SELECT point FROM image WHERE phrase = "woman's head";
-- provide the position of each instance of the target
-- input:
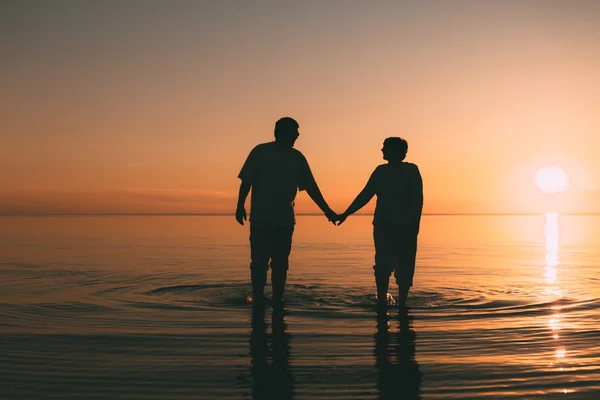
(394, 149)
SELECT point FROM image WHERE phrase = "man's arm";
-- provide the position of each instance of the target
(240, 213)
(307, 182)
(315, 194)
(247, 175)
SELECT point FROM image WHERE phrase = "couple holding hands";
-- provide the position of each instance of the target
(275, 171)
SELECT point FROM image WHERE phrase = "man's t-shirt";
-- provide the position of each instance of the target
(399, 190)
(276, 174)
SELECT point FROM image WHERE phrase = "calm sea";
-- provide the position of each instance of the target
(503, 307)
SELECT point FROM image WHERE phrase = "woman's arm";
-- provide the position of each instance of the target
(360, 201)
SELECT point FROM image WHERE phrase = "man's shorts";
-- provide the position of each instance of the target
(270, 243)
(395, 251)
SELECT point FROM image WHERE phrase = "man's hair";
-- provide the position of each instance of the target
(398, 147)
(285, 124)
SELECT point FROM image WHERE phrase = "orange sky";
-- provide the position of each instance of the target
(152, 107)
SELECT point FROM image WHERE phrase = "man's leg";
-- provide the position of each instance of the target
(402, 296)
(282, 247)
(278, 280)
(260, 252)
(405, 253)
(384, 262)
(382, 282)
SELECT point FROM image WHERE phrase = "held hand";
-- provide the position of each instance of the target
(331, 216)
(342, 218)
(240, 215)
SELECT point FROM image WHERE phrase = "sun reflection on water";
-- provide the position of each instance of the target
(552, 288)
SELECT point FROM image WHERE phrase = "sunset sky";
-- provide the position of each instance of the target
(153, 106)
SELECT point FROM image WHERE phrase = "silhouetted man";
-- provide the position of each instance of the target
(399, 189)
(271, 371)
(275, 171)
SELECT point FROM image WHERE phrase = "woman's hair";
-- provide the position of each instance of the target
(397, 146)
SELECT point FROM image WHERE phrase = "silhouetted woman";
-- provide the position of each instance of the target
(399, 190)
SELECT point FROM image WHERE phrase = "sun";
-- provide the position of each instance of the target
(551, 179)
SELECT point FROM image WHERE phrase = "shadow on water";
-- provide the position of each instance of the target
(270, 354)
(399, 374)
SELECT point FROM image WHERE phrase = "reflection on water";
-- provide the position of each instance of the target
(154, 308)
(399, 374)
(553, 288)
(270, 354)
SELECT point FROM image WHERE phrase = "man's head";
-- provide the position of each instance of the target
(394, 149)
(286, 131)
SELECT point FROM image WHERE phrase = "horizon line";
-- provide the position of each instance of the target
(299, 214)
